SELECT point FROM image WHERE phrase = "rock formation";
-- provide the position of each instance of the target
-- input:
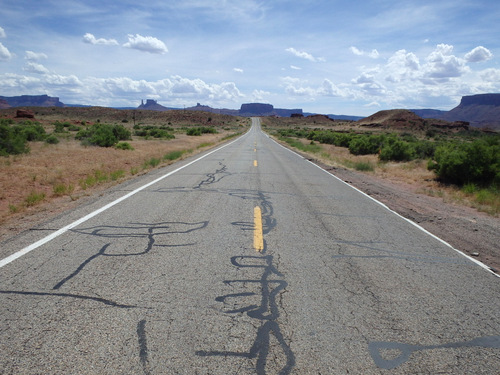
(32, 101)
(481, 111)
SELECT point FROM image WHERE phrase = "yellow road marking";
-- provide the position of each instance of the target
(258, 238)
(255, 163)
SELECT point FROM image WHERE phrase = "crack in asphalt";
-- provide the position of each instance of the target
(267, 312)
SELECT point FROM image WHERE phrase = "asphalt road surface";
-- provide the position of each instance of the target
(249, 260)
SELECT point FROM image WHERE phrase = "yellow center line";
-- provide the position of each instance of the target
(255, 163)
(258, 238)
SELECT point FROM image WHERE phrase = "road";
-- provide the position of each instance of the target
(248, 260)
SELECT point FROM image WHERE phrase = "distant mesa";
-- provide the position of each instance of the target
(248, 109)
(482, 111)
(31, 101)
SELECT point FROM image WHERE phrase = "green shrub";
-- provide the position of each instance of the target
(396, 150)
(123, 146)
(121, 133)
(116, 175)
(153, 162)
(103, 135)
(62, 189)
(173, 155)
(467, 162)
(11, 141)
(60, 127)
(52, 139)
(34, 198)
(153, 131)
(366, 144)
(197, 131)
(31, 131)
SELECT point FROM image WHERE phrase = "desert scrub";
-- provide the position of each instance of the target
(52, 140)
(151, 163)
(173, 155)
(103, 135)
(147, 131)
(124, 146)
(33, 199)
(14, 138)
(116, 175)
(461, 163)
(11, 142)
(199, 130)
(97, 177)
(364, 166)
(62, 189)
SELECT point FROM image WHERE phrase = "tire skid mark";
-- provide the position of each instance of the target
(143, 346)
(69, 295)
(267, 312)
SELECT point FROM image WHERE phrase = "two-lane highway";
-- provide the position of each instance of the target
(246, 260)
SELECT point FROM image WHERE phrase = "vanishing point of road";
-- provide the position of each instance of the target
(247, 259)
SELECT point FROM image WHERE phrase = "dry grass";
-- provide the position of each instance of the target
(55, 174)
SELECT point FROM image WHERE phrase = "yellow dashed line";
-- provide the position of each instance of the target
(255, 163)
(258, 238)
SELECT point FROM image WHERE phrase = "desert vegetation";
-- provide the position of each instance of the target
(65, 154)
(463, 166)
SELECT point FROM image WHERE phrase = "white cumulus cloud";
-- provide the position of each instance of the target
(91, 39)
(304, 55)
(441, 64)
(478, 54)
(238, 70)
(34, 56)
(373, 54)
(33, 67)
(146, 44)
(4, 53)
(2, 33)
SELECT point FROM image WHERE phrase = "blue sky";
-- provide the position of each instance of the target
(324, 56)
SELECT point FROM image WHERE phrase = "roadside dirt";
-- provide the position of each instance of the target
(466, 229)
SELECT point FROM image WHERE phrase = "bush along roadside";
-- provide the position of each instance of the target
(474, 159)
(199, 130)
(103, 135)
(14, 138)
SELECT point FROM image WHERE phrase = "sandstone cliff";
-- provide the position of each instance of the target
(481, 111)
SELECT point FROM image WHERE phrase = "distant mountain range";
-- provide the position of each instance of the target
(481, 111)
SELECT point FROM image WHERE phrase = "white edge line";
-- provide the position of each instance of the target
(479, 263)
(57, 233)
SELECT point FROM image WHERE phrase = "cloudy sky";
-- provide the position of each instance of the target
(324, 56)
